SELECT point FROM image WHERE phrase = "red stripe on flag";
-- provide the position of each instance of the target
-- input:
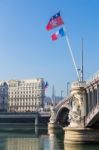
(54, 37)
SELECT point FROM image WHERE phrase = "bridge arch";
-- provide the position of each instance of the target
(62, 113)
(62, 116)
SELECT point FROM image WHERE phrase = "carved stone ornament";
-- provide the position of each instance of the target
(75, 114)
(53, 116)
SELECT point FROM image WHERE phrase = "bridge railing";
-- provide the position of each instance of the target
(65, 100)
(78, 84)
(94, 77)
(91, 114)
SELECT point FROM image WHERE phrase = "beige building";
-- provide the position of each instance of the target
(26, 95)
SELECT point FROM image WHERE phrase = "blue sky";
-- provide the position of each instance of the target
(26, 49)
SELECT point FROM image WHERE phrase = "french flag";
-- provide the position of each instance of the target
(60, 33)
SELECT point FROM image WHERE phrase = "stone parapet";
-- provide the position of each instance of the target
(78, 87)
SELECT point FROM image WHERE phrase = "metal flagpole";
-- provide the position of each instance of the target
(82, 66)
(70, 49)
(71, 53)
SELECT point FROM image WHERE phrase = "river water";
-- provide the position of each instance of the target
(36, 139)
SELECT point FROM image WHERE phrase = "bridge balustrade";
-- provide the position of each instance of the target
(93, 78)
(89, 120)
(66, 101)
(78, 84)
(92, 94)
(92, 97)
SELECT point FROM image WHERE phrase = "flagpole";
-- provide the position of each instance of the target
(82, 63)
(71, 53)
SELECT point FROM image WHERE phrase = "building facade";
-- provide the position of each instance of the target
(26, 95)
(3, 96)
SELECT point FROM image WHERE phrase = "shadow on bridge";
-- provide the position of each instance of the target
(62, 117)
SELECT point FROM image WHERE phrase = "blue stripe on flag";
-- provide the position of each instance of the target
(62, 32)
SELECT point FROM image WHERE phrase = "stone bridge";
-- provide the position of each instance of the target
(79, 113)
(89, 103)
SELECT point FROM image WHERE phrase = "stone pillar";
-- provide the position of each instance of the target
(89, 107)
(93, 102)
(91, 99)
(78, 111)
(97, 93)
(94, 95)
(52, 125)
(88, 102)
(81, 135)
